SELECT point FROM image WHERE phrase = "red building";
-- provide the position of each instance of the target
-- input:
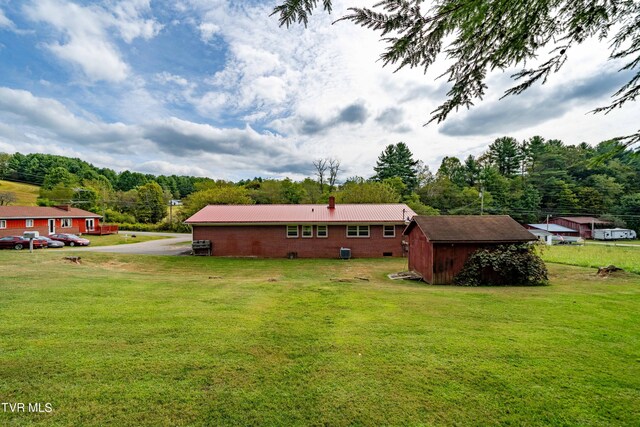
(15, 220)
(305, 231)
(440, 245)
(583, 224)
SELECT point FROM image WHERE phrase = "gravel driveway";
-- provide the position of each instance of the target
(170, 246)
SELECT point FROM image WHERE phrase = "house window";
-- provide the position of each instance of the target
(29, 223)
(389, 231)
(3, 223)
(322, 231)
(357, 231)
(307, 231)
(292, 231)
(65, 223)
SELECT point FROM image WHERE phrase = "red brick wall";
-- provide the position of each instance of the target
(15, 227)
(270, 241)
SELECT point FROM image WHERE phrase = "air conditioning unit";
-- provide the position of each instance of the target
(345, 253)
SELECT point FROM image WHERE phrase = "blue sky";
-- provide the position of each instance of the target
(215, 88)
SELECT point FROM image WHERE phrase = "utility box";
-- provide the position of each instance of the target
(201, 247)
(30, 234)
(345, 253)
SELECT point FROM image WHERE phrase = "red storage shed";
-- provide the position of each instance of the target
(440, 245)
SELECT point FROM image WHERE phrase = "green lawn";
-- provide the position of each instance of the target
(26, 194)
(132, 341)
(614, 242)
(592, 255)
(120, 239)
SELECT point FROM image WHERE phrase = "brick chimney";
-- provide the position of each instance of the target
(63, 207)
(332, 203)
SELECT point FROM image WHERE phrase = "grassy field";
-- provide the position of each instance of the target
(121, 239)
(131, 341)
(26, 193)
(627, 258)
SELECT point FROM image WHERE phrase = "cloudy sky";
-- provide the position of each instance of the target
(215, 88)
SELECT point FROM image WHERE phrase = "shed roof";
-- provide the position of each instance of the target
(395, 213)
(585, 220)
(553, 228)
(31, 212)
(471, 228)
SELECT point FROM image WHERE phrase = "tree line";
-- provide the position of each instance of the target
(526, 179)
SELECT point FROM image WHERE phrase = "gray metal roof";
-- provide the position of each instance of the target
(553, 228)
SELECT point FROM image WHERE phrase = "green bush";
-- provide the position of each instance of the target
(176, 227)
(118, 217)
(504, 265)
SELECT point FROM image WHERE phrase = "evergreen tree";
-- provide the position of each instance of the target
(504, 154)
(397, 161)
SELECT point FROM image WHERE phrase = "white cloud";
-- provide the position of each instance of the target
(163, 167)
(87, 41)
(208, 30)
(5, 22)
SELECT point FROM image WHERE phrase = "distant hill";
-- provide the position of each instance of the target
(26, 193)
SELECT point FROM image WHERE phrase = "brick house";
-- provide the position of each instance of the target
(440, 245)
(305, 231)
(15, 220)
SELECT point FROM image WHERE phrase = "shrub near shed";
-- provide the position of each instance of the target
(502, 266)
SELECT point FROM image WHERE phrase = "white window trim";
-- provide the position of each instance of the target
(310, 227)
(3, 223)
(63, 220)
(28, 223)
(287, 231)
(358, 235)
(384, 234)
(326, 229)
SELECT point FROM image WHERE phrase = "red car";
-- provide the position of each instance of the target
(70, 239)
(17, 242)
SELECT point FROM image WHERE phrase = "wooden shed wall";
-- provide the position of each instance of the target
(420, 254)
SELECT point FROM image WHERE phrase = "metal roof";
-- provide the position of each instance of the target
(292, 214)
(471, 228)
(585, 220)
(553, 228)
(32, 212)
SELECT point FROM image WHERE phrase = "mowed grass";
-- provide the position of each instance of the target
(121, 239)
(140, 340)
(627, 258)
(26, 194)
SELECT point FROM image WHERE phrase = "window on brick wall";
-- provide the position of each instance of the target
(357, 231)
(28, 223)
(292, 231)
(389, 231)
(65, 223)
(307, 231)
(322, 231)
(3, 223)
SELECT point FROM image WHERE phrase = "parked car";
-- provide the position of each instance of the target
(18, 242)
(50, 242)
(70, 239)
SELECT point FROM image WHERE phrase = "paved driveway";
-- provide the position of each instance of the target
(169, 246)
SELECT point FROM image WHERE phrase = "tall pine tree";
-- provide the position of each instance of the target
(397, 161)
